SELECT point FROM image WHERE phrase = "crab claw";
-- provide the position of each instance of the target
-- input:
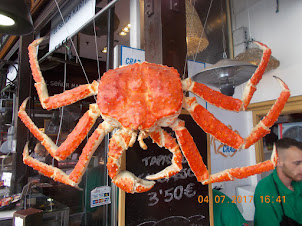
(130, 183)
(125, 180)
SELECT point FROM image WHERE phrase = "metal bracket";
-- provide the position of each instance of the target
(149, 7)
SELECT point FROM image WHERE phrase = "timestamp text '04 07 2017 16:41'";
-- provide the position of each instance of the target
(221, 199)
(241, 199)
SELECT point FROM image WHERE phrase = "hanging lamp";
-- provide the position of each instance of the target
(227, 73)
(17, 13)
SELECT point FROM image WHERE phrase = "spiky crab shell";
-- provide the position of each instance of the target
(141, 95)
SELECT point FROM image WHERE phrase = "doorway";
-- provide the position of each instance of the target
(290, 115)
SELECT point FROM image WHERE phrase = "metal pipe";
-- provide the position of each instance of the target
(103, 10)
(135, 21)
(229, 28)
(109, 65)
(110, 38)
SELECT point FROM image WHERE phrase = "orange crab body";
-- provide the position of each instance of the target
(138, 100)
(140, 95)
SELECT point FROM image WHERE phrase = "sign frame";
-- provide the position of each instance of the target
(122, 194)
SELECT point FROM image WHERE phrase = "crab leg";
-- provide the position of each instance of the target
(59, 100)
(76, 175)
(190, 150)
(226, 102)
(243, 172)
(212, 125)
(125, 180)
(217, 129)
(162, 138)
(212, 96)
(92, 144)
(268, 121)
(74, 138)
(250, 87)
(47, 170)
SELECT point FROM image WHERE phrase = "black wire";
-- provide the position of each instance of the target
(277, 9)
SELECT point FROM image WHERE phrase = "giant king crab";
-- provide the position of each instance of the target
(139, 100)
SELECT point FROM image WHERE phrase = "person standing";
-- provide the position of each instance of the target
(226, 212)
(278, 197)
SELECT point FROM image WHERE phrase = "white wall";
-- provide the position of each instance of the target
(282, 33)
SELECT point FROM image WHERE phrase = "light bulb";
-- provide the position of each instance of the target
(6, 21)
(126, 29)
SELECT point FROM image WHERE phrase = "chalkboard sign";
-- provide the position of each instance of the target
(172, 201)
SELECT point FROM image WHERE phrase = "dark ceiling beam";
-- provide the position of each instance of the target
(11, 44)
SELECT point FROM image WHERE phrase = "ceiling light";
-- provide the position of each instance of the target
(126, 29)
(104, 50)
(122, 33)
(17, 11)
(129, 25)
(6, 21)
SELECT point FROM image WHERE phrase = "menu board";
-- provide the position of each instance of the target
(173, 201)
